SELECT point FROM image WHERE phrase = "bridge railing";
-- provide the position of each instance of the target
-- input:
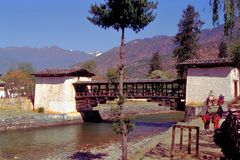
(152, 89)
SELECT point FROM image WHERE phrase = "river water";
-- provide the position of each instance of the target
(63, 141)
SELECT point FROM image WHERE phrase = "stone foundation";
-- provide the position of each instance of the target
(41, 120)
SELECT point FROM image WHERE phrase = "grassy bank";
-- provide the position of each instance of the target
(131, 108)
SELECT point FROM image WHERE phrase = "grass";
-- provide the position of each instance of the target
(129, 104)
(13, 113)
(137, 108)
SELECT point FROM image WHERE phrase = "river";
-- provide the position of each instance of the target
(63, 141)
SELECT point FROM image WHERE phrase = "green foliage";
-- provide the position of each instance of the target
(223, 50)
(123, 14)
(112, 75)
(26, 67)
(40, 110)
(118, 125)
(119, 122)
(133, 14)
(19, 83)
(231, 10)
(89, 65)
(187, 38)
(155, 63)
(232, 46)
(236, 57)
(159, 74)
(121, 100)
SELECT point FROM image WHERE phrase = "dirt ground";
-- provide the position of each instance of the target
(207, 148)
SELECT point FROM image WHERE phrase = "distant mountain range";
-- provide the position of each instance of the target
(47, 57)
(140, 51)
(138, 54)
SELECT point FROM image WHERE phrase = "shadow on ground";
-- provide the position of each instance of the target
(87, 156)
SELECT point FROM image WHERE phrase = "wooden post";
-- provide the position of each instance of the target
(189, 140)
(173, 139)
(181, 138)
(197, 141)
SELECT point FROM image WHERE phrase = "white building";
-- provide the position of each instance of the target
(216, 75)
(54, 89)
(2, 89)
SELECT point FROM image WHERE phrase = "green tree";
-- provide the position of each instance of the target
(236, 57)
(231, 10)
(159, 74)
(223, 50)
(155, 63)
(187, 38)
(26, 67)
(120, 15)
(89, 65)
(112, 75)
(19, 83)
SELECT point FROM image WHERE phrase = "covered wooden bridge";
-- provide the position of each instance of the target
(91, 93)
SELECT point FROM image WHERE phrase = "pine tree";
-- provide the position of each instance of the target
(120, 15)
(155, 63)
(222, 50)
(236, 57)
(187, 38)
(231, 10)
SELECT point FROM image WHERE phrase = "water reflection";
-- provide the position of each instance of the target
(59, 142)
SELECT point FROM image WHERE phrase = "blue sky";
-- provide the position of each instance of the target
(40, 23)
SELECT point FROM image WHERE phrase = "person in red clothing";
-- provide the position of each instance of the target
(220, 100)
(206, 120)
(215, 121)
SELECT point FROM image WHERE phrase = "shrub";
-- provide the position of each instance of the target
(41, 110)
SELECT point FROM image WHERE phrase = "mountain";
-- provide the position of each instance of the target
(140, 51)
(40, 58)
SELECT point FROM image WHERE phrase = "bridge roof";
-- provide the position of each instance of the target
(132, 81)
(78, 72)
(208, 62)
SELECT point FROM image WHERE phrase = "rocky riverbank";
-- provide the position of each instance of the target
(158, 146)
(24, 120)
(20, 117)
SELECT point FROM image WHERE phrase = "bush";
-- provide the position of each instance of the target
(41, 110)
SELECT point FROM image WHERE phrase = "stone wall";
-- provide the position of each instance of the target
(218, 79)
(40, 120)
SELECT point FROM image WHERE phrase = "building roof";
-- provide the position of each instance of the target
(208, 62)
(78, 72)
(129, 81)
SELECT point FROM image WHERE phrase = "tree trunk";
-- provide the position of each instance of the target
(124, 143)
(121, 97)
(122, 59)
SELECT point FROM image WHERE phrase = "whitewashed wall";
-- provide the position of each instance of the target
(218, 79)
(2, 92)
(56, 94)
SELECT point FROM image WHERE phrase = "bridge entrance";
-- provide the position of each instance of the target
(90, 94)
